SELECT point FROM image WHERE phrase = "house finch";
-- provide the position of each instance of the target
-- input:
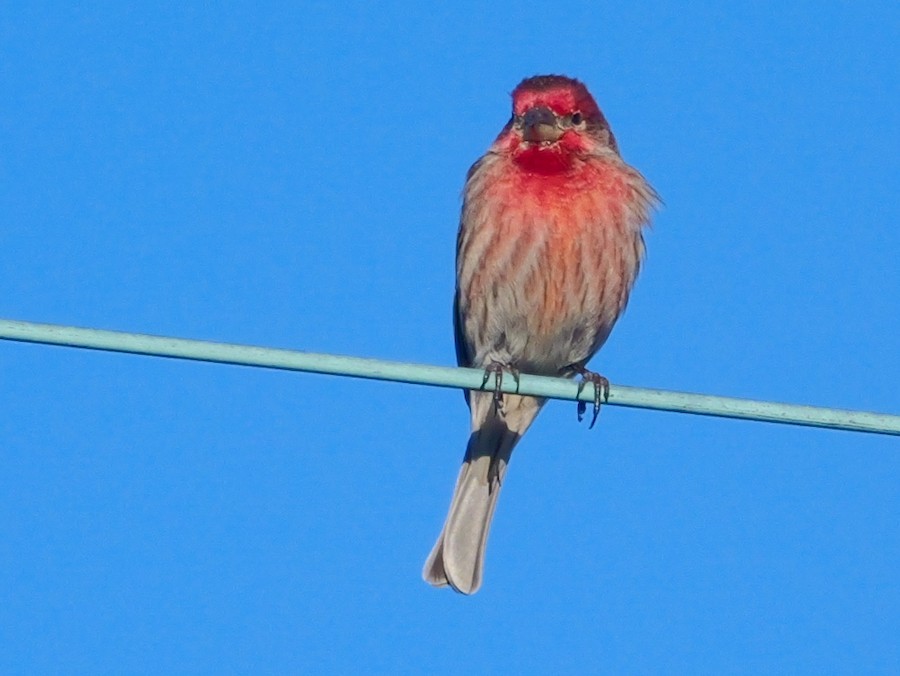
(549, 246)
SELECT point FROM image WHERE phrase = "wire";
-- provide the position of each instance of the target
(440, 376)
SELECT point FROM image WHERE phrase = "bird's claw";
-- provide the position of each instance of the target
(496, 369)
(601, 393)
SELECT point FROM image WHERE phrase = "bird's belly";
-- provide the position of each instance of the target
(549, 318)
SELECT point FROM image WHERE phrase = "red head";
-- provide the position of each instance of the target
(554, 119)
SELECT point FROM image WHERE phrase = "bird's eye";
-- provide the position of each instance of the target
(577, 118)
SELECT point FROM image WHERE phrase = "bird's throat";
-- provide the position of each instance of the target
(543, 159)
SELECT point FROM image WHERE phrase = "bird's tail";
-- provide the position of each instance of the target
(458, 555)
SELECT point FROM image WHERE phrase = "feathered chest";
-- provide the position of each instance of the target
(594, 193)
(525, 219)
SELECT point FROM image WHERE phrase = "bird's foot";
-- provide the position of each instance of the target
(496, 369)
(601, 392)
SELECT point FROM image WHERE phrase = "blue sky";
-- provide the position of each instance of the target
(289, 176)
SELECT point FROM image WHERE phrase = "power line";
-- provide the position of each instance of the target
(441, 376)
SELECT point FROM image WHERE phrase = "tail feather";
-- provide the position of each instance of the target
(457, 558)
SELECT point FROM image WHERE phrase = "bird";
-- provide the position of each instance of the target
(549, 245)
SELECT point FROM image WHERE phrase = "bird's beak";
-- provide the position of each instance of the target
(540, 125)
